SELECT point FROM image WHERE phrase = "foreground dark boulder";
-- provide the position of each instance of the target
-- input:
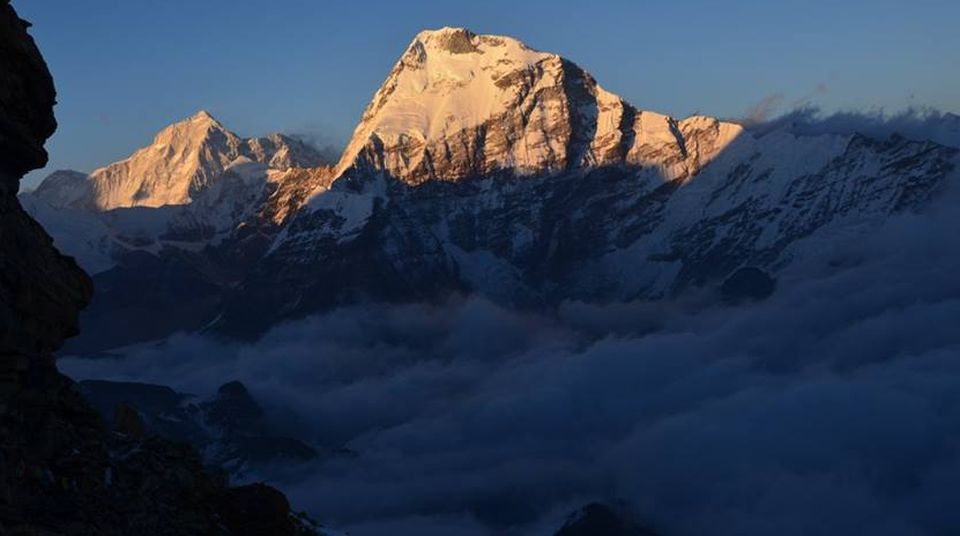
(62, 471)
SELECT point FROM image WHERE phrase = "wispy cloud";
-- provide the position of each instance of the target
(764, 110)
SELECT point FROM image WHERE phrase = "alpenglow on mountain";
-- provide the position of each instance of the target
(184, 160)
(461, 105)
(199, 178)
(479, 166)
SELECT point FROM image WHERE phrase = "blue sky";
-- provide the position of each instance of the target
(126, 68)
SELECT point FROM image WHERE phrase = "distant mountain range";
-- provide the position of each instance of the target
(480, 166)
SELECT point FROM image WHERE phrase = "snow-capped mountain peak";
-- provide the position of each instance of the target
(448, 80)
(459, 104)
(192, 130)
(203, 115)
(184, 160)
(200, 179)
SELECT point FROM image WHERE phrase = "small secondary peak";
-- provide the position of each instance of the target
(450, 40)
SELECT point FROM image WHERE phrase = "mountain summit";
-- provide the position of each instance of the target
(184, 159)
(458, 104)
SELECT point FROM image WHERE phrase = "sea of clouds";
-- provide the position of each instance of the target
(832, 407)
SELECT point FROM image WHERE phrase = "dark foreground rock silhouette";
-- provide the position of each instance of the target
(62, 470)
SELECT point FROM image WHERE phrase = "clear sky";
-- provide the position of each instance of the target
(126, 68)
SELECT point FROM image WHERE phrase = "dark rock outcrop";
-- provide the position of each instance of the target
(27, 97)
(127, 421)
(61, 470)
(747, 284)
(234, 410)
(598, 519)
(255, 510)
(41, 291)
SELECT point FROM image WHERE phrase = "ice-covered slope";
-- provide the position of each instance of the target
(65, 188)
(77, 233)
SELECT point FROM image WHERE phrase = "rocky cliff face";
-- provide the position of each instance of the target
(61, 470)
(41, 291)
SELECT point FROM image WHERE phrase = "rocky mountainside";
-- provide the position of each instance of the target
(483, 166)
(62, 471)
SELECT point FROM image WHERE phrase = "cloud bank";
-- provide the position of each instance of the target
(833, 407)
(807, 119)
